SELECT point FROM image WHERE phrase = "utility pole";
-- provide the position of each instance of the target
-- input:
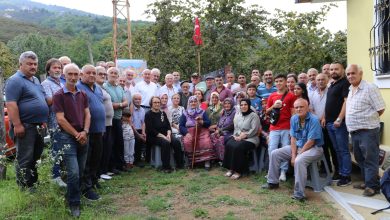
(121, 10)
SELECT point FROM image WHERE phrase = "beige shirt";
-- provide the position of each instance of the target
(249, 124)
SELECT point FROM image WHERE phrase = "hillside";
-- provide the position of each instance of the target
(60, 19)
(10, 28)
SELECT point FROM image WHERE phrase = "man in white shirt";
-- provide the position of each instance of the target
(311, 85)
(168, 88)
(231, 84)
(146, 88)
(156, 77)
(176, 81)
(130, 83)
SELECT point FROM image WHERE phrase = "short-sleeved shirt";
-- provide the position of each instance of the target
(318, 101)
(72, 105)
(96, 107)
(138, 117)
(117, 93)
(362, 107)
(51, 86)
(263, 92)
(337, 91)
(224, 93)
(147, 90)
(29, 96)
(285, 112)
(256, 103)
(311, 130)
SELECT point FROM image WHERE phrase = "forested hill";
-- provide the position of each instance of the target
(32, 16)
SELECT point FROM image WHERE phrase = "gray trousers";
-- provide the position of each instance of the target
(300, 167)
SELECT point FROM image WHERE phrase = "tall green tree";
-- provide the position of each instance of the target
(8, 62)
(45, 47)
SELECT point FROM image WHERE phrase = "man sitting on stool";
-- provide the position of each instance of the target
(306, 147)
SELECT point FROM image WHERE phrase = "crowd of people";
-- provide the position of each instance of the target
(103, 122)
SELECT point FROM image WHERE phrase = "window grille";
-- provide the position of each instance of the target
(379, 39)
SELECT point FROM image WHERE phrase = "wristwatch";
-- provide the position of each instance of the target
(338, 120)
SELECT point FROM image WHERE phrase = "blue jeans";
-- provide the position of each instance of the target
(339, 138)
(278, 138)
(366, 151)
(56, 153)
(29, 149)
(75, 156)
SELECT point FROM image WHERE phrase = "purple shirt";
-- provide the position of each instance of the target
(72, 105)
(225, 93)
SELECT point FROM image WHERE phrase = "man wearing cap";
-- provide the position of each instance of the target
(184, 93)
(195, 79)
(210, 86)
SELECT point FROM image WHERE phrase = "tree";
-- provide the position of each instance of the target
(298, 43)
(228, 30)
(45, 47)
(7, 61)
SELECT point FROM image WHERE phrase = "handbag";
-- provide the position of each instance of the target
(275, 112)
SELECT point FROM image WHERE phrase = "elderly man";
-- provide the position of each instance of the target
(141, 151)
(64, 61)
(303, 78)
(96, 130)
(122, 83)
(230, 82)
(185, 93)
(306, 147)
(210, 86)
(311, 85)
(363, 108)
(176, 80)
(51, 85)
(110, 64)
(146, 88)
(155, 73)
(101, 74)
(73, 116)
(265, 90)
(168, 88)
(130, 83)
(28, 113)
(334, 119)
(195, 79)
(221, 89)
(119, 102)
(317, 106)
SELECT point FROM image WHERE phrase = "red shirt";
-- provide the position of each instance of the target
(285, 112)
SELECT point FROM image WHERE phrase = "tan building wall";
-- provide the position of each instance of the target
(360, 21)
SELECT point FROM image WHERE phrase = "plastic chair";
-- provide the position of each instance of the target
(155, 157)
(316, 181)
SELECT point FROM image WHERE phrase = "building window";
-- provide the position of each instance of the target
(379, 39)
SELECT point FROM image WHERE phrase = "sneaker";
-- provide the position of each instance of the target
(282, 176)
(336, 177)
(91, 195)
(270, 186)
(299, 199)
(74, 211)
(58, 181)
(105, 177)
(344, 181)
(370, 192)
(359, 186)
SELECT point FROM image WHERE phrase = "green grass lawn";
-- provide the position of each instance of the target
(148, 194)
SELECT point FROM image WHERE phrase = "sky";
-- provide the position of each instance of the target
(336, 19)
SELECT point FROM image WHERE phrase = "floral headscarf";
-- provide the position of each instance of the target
(192, 113)
(164, 107)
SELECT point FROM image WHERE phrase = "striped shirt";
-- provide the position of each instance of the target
(363, 106)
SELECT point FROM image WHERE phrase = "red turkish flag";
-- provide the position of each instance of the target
(197, 37)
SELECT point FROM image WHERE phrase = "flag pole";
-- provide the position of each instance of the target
(199, 60)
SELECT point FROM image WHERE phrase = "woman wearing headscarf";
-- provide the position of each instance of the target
(245, 138)
(214, 110)
(225, 128)
(194, 117)
(164, 103)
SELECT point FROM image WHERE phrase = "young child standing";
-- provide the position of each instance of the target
(128, 138)
(255, 101)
